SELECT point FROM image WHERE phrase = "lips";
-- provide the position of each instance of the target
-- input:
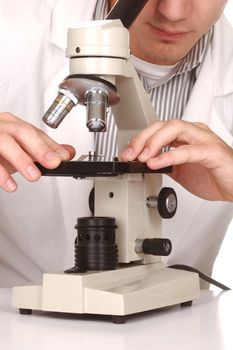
(167, 34)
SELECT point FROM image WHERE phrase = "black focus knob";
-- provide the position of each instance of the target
(167, 202)
(156, 246)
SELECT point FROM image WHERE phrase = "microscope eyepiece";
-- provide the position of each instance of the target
(60, 107)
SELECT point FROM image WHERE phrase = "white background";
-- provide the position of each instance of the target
(223, 268)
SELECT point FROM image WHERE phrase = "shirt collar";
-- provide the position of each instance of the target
(148, 72)
(197, 54)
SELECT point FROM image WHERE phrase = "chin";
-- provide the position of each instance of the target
(162, 60)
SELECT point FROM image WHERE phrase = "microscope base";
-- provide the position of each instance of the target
(120, 292)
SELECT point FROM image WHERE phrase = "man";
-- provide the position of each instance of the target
(176, 52)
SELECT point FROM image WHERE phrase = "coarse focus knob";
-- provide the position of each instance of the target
(154, 246)
(166, 202)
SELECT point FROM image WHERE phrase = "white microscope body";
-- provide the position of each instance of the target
(99, 61)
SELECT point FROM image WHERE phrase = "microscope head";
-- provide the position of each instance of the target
(96, 51)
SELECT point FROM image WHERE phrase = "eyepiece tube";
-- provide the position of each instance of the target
(127, 11)
(59, 109)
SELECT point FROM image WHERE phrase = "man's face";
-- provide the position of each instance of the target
(166, 30)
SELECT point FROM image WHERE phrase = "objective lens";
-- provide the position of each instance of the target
(61, 106)
(96, 103)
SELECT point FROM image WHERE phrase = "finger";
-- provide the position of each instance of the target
(66, 152)
(18, 158)
(6, 165)
(71, 150)
(7, 183)
(137, 144)
(37, 144)
(8, 117)
(186, 154)
(173, 133)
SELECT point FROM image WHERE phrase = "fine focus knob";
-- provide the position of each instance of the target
(154, 246)
(167, 202)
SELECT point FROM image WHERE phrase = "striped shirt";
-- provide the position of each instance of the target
(169, 96)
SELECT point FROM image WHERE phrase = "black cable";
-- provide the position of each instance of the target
(201, 275)
(126, 11)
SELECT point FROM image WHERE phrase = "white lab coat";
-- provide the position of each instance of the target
(37, 222)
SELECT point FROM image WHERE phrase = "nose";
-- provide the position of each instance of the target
(174, 10)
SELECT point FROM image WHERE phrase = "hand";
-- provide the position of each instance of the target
(202, 162)
(20, 145)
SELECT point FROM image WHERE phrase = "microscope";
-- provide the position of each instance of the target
(118, 269)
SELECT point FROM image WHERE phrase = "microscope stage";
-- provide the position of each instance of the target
(83, 169)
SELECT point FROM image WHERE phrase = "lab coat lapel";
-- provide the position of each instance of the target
(214, 88)
(199, 106)
(68, 14)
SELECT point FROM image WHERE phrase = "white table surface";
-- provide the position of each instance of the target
(208, 325)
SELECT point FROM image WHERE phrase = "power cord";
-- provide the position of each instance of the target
(201, 275)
